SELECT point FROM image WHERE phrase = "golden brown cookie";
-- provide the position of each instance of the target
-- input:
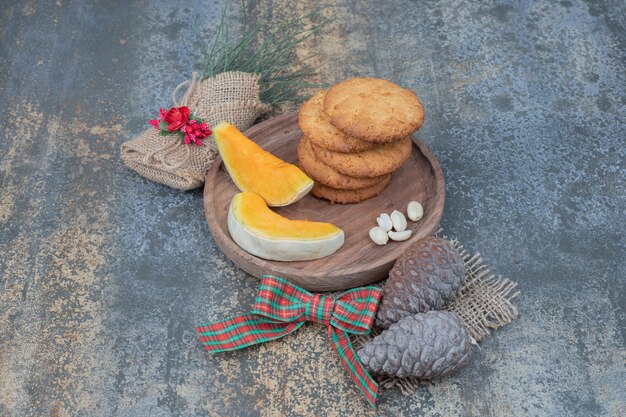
(373, 109)
(375, 162)
(349, 196)
(328, 176)
(315, 124)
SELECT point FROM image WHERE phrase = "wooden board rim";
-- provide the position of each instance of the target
(344, 278)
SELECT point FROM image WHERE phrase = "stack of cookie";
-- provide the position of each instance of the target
(355, 136)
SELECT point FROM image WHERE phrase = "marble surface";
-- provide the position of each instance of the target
(104, 274)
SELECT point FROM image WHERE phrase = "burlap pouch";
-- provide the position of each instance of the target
(230, 96)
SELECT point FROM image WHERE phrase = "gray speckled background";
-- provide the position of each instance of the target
(104, 274)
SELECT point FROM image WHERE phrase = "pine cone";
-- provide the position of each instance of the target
(425, 346)
(426, 276)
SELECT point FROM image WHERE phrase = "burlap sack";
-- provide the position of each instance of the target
(485, 303)
(230, 96)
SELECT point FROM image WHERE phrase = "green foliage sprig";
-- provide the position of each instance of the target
(268, 51)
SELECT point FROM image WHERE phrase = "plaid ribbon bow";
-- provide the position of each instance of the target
(281, 308)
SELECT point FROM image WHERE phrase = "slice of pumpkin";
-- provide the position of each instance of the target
(254, 169)
(268, 235)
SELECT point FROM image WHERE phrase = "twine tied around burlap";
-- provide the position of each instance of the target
(230, 96)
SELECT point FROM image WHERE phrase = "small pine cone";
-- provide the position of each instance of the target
(425, 346)
(426, 276)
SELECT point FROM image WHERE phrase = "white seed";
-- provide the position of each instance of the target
(398, 220)
(379, 235)
(414, 211)
(400, 236)
(384, 221)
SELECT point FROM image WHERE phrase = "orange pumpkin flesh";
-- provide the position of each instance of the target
(254, 169)
(252, 212)
(261, 232)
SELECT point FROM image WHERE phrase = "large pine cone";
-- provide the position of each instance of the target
(425, 346)
(426, 276)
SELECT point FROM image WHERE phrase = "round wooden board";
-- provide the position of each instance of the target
(359, 262)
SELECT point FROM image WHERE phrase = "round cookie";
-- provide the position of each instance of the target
(373, 109)
(315, 124)
(348, 196)
(375, 162)
(328, 176)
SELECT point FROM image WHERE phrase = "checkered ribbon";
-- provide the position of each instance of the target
(281, 308)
